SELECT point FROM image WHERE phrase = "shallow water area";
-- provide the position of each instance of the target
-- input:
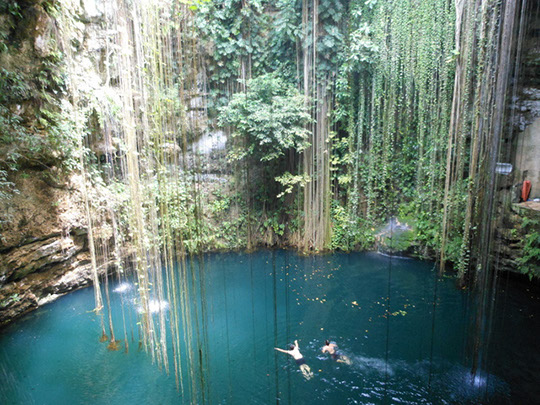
(405, 331)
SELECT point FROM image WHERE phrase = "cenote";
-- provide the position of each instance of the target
(190, 187)
(405, 330)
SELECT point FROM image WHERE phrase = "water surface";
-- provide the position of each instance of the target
(406, 332)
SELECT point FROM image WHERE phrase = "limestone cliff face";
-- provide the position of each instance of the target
(514, 243)
(526, 119)
(43, 249)
(43, 227)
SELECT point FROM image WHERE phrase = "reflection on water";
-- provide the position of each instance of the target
(154, 306)
(123, 288)
(401, 351)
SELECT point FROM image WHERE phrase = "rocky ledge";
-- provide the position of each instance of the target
(39, 272)
(43, 243)
(517, 242)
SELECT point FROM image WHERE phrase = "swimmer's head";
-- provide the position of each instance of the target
(291, 347)
(327, 342)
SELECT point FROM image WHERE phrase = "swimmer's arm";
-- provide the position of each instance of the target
(281, 350)
(296, 344)
(324, 349)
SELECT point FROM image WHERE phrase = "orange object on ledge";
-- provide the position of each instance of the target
(526, 190)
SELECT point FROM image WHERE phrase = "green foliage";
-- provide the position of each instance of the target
(12, 299)
(340, 160)
(399, 242)
(284, 39)
(331, 38)
(393, 99)
(288, 181)
(384, 69)
(35, 123)
(270, 117)
(426, 225)
(234, 33)
(13, 88)
(7, 189)
(274, 223)
(229, 220)
(350, 232)
(221, 204)
(5, 185)
(12, 8)
(362, 49)
(231, 234)
(181, 211)
(529, 262)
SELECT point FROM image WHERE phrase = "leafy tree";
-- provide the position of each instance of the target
(271, 116)
(234, 36)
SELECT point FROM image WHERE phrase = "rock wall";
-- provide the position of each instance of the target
(43, 228)
(515, 243)
(527, 161)
(516, 238)
(526, 144)
(43, 244)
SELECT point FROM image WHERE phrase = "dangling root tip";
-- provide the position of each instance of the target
(114, 345)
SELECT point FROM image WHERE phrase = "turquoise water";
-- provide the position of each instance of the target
(379, 310)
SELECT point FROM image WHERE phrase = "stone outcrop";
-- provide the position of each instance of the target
(42, 229)
(43, 225)
(38, 288)
(34, 257)
(43, 243)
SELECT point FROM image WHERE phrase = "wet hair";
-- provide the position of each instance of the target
(326, 342)
(291, 346)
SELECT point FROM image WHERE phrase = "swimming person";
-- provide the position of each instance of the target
(300, 360)
(331, 348)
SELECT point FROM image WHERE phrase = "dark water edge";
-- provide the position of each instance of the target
(267, 298)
